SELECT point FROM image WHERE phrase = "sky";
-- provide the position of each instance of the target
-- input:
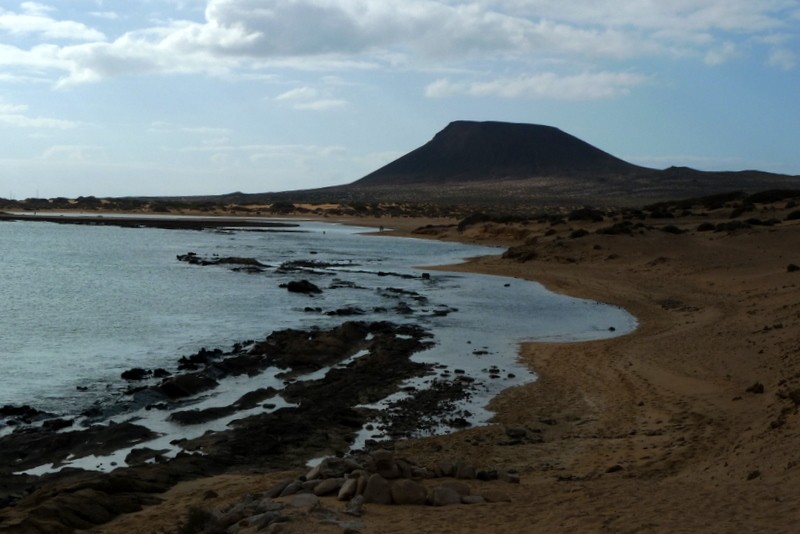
(197, 97)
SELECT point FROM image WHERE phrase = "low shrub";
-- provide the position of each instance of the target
(793, 216)
(586, 214)
(672, 229)
(773, 195)
(578, 233)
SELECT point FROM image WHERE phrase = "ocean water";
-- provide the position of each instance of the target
(81, 304)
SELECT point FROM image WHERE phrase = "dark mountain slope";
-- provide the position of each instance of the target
(468, 151)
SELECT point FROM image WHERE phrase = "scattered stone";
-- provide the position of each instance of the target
(304, 500)
(472, 499)
(354, 507)
(614, 469)
(492, 496)
(757, 388)
(486, 476)
(262, 521)
(792, 268)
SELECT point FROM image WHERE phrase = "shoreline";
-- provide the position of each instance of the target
(662, 429)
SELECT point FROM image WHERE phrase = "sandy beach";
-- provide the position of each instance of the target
(689, 424)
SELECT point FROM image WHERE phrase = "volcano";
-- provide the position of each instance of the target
(467, 151)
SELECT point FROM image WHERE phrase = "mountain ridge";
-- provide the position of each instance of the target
(505, 164)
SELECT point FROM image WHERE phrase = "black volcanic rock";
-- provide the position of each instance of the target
(467, 151)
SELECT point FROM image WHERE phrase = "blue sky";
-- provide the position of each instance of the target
(174, 97)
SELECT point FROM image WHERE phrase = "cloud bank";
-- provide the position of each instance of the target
(592, 41)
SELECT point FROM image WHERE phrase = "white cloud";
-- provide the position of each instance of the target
(585, 86)
(35, 20)
(250, 37)
(35, 8)
(783, 58)
(721, 54)
(298, 93)
(675, 17)
(206, 130)
(308, 98)
(107, 15)
(322, 104)
(71, 152)
(282, 156)
(15, 115)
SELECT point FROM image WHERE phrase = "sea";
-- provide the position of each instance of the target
(81, 304)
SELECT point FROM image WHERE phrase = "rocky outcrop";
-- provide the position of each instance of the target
(76, 500)
(324, 417)
(302, 286)
(250, 265)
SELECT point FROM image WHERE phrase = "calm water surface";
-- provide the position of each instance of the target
(81, 304)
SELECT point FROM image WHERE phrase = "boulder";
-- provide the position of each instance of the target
(465, 471)
(137, 373)
(444, 468)
(277, 489)
(406, 492)
(304, 500)
(292, 488)
(348, 489)
(443, 496)
(378, 490)
(328, 486)
(303, 286)
(186, 385)
(459, 487)
(383, 462)
(262, 521)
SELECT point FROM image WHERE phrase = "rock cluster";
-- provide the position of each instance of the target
(379, 477)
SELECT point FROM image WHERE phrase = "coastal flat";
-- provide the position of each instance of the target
(689, 424)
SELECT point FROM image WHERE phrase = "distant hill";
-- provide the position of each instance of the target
(467, 151)
(507, 164)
